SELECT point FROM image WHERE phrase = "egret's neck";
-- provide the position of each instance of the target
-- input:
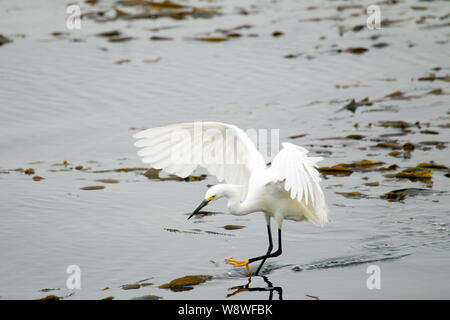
(235, 205)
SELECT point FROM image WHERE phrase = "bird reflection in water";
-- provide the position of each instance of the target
(247, 288)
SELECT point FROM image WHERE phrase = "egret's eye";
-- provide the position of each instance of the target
(210, 198)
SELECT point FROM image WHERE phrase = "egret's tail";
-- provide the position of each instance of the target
(318, 215)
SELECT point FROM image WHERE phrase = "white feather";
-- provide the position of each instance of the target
(301, 179)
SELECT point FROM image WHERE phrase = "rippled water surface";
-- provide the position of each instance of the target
(69, 95)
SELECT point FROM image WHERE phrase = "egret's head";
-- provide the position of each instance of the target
(213, 193)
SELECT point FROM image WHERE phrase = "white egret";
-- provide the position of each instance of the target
(287, 189)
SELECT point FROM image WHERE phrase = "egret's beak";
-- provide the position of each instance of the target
(204, 203)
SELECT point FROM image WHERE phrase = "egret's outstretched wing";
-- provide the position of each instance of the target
(301, 179)
(223, 149)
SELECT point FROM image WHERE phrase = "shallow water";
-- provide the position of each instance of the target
(68, 100)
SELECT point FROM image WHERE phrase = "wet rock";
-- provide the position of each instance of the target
(372, 184)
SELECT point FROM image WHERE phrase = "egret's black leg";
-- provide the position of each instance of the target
(270, 255)
(269, 250)
(245, 263)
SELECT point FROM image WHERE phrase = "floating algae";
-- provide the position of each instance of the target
(352, 195)
(401, 194)
(233, 227)
(431, 165)
(395, 124)
(424, 174)
(29, 171)
(4, 40)
(211, 39)
(93, 188)
(356, 50)
(131, 286)
(108, 180)
(50, 297)
(148, 297)
(185, 283)
(338, 171)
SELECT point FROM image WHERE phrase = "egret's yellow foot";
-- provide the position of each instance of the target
(242, 263)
